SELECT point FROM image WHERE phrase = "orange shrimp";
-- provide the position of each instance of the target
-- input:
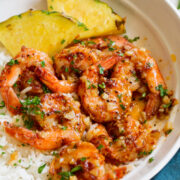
(34, 61)
(82, 157)
(43, 140)
(117, 91)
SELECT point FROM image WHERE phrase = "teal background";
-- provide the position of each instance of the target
(171, 171)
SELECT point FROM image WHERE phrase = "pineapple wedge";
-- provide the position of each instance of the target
(42, 30)
(96, 17)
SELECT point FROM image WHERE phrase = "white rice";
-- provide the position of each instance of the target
(25, 167)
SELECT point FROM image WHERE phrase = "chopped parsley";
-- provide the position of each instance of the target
(83, 159)
(178, 7)
(168, 131)
(143, 95)
(76, 41)
(64, 127)
(91, 42)
(150, 65)
(42, 63)
(51, 7)
(75, 70)
(63, 41)
(29, 81)
(48, 12)
(101, 69)
(12, 62)
(122, 107)
(2, 104)
(31, 101)
(167, 105)
(19, 16)
(40, 169)
(17, 120)
(82, 43)
(121, 54)
(132, 40)
(66, 174)
(163, 91)
(45, 89)
(72, 62)
(102, 86)
(110, 45)
(1, 146)
(100, 147)
(3, 153)
(29, 124)
(119, 97)
(144, 153)
(66, 69)
(151, 160)
(15, 85)
(90, 85)
(80, 24)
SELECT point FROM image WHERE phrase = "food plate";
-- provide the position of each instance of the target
(157, 23)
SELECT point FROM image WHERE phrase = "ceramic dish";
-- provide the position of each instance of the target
(158, 25)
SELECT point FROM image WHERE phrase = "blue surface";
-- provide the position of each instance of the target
(171, 171)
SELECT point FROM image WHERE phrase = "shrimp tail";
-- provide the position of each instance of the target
(8, 78)
(152, 105)
(110, 62)
(44, 140)
(53, 83)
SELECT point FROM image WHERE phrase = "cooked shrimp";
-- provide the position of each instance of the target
(116, 92)
(59, 109)
(74, 60)
(131, 139)
(143, 64)
(34, 61)
(8, 77)
(43, 140)
(81, 159)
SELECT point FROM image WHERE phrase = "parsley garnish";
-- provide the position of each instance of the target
(151, 160)
(102, 86)
(48, 12)
(40, 169)
(122, 107)
(66, 174)
(101, 69)
(163, 91)
(131, 40)
(100, 147)
(42, 63)
(12, 62)
(64, 127)
(2, 104)
(29, 81)
(168, 131)
(45, 89)
(63, 41)
(66, 69)
(80, 24)
(76, 41)
(83, 159)
(15, 85)
(150, 65)
(119, 97)
(178, 7)
(91, 42)
(29, 124)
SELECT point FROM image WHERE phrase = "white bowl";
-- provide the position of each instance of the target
(158, 22)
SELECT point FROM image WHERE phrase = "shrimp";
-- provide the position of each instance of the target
(116, 92)
(81, 159)
(144, 65)
(50, 111)
(40, 65)
(42, 140)
(131, 139)
(74, 60)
